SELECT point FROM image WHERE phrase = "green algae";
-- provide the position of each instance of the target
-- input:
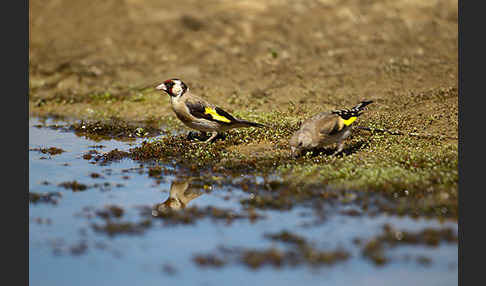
(419, 174)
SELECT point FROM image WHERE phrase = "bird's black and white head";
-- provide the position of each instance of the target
(174, 87)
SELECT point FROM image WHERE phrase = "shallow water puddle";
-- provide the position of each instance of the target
(76, 239)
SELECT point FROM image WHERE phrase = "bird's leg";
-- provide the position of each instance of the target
(191, 135)
(339, 149)
(210, 139)
(213, 135)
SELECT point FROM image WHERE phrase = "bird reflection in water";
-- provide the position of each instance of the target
(182, 191)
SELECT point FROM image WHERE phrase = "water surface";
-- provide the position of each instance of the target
(64, 249)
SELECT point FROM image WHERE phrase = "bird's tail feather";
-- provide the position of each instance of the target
(362, 105)
(245, 123)
(353, 112)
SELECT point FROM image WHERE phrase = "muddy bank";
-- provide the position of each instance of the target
(276, 62)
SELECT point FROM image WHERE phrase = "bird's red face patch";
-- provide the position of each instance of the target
(174, 87)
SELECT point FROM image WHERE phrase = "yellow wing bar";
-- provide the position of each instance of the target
(348, 122)
(215, 115)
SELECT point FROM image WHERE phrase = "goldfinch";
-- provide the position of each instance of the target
(180, 195)
(326, 128)
(199, 114)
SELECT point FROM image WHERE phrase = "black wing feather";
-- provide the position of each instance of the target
(225, 114)
(197, 109)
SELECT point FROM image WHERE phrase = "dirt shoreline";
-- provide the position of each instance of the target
(276, 62)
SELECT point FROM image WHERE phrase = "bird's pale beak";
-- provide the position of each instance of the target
(161, 87)
(294, 152)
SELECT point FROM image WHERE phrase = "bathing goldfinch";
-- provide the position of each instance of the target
(326, 128)
(199, 114)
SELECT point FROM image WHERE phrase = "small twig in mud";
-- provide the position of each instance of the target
(415, 134)
(380, 130)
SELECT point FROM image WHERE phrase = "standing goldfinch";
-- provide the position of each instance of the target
(326, 128)
(199, 114)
